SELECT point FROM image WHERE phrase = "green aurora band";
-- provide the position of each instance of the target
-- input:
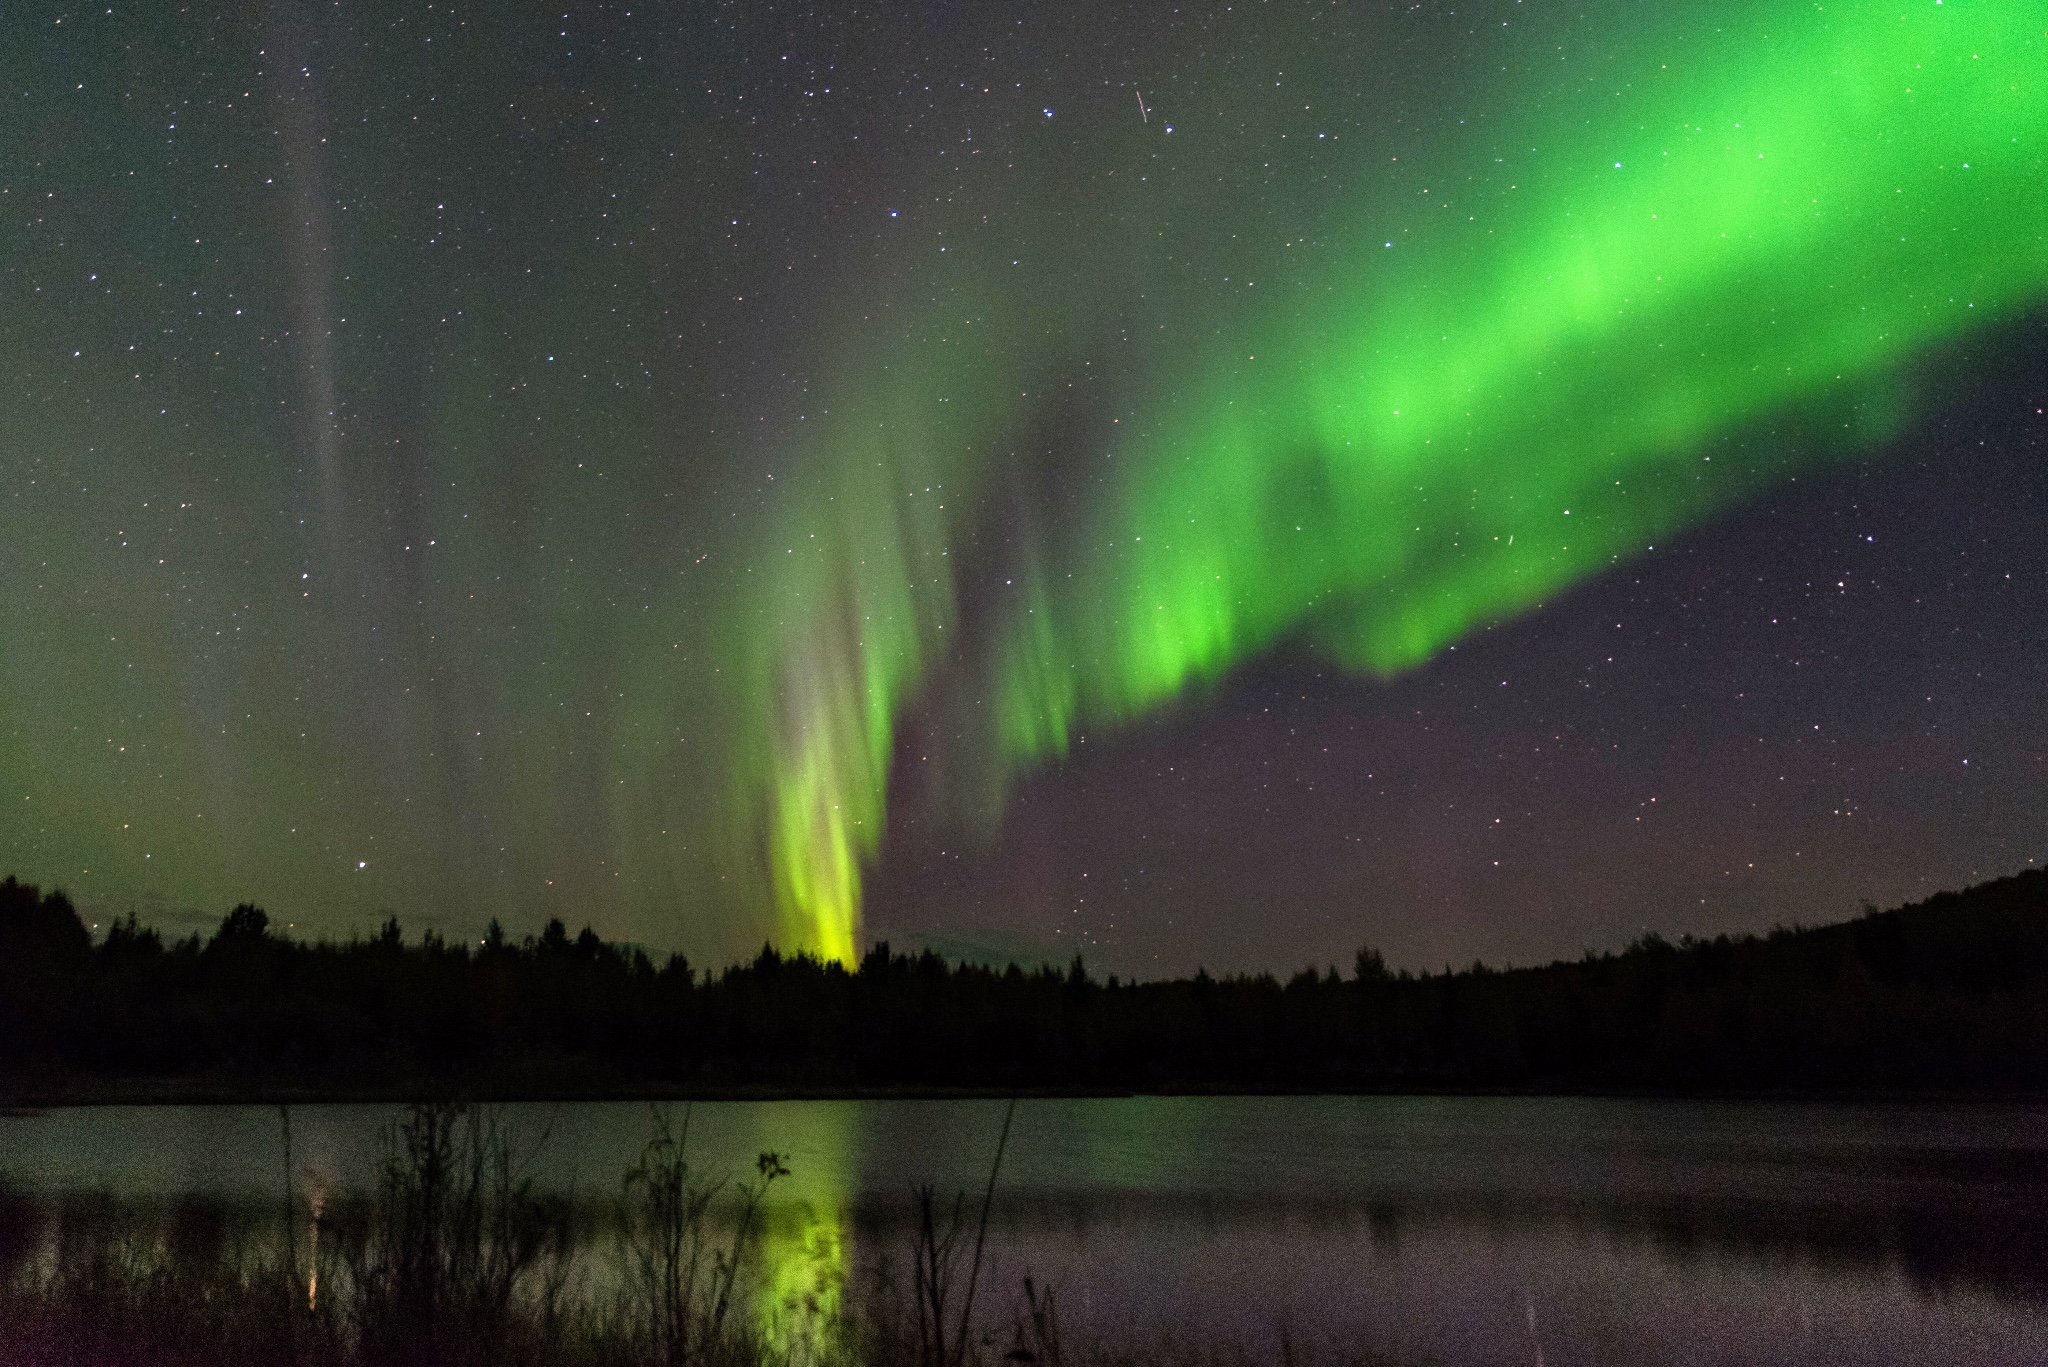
(1426, 427)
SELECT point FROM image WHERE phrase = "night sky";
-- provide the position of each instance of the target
(1181, 484)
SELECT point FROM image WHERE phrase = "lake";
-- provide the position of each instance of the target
(1453, 1229)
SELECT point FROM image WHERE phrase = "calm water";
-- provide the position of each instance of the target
(1479, 1230)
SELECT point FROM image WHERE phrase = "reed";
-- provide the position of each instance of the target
(684, 1282)
(456, 1258)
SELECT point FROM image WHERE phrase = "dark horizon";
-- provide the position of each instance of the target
(1946, 996)
(194, 926)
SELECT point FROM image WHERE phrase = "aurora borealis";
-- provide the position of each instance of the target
(633, 466)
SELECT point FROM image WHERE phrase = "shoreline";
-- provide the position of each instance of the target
(27, 1099)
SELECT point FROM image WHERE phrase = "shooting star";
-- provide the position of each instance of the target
(1144, 114)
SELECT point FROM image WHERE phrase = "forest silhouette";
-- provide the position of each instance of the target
(1947, 995)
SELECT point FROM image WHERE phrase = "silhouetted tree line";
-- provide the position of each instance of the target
(1951, 993)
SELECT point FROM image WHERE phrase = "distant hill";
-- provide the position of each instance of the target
(1947, 995)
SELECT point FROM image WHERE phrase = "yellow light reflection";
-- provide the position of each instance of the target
(805, 1239)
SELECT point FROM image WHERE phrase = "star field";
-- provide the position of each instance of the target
(727, 472)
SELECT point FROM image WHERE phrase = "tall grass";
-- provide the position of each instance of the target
(454, 1257)
(935, 1264)
(684, 1282)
